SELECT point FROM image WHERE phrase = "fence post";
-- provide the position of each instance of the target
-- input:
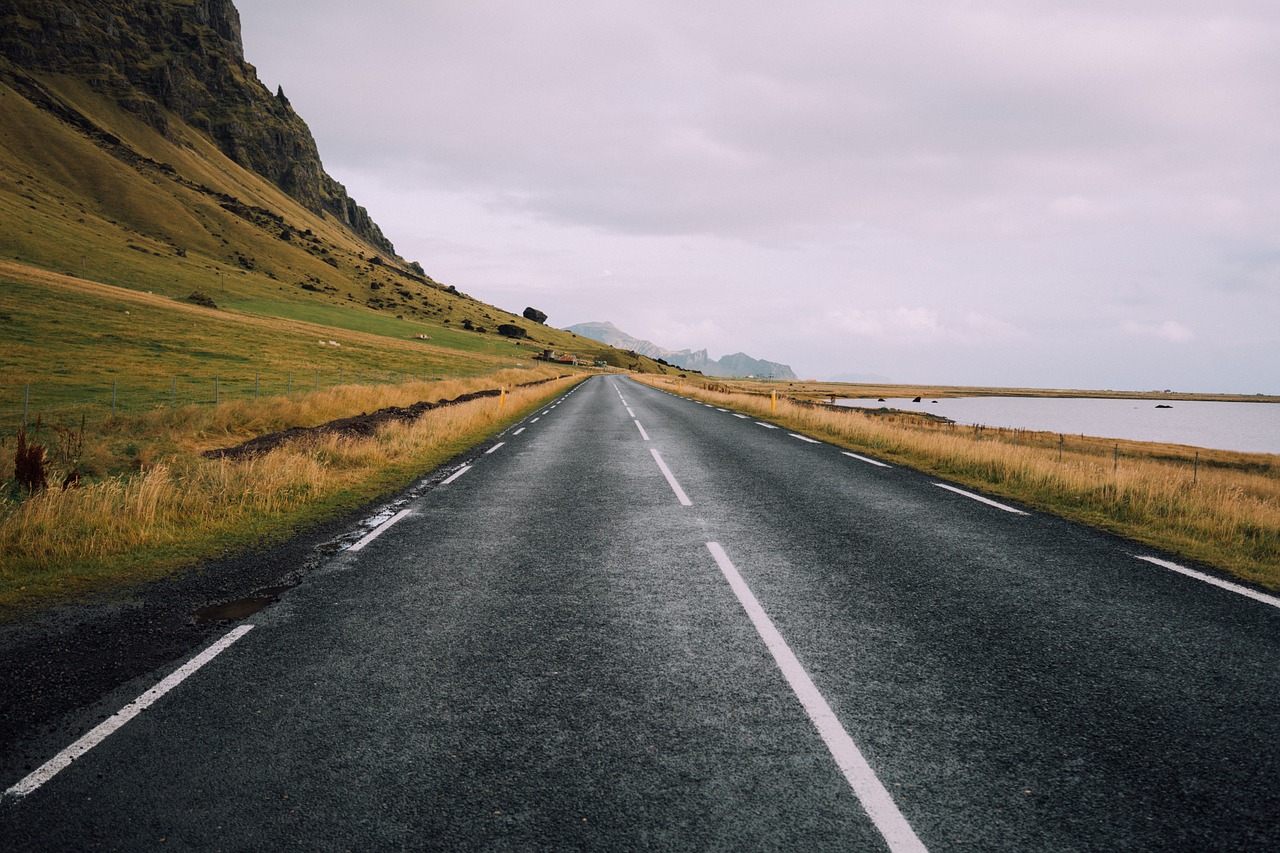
(1115, 464)
(1195, 469)
(1059, 447)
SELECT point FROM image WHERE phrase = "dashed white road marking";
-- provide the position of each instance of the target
(804, 438)
(744, 417)
(866, 786)
(517, 432)
(643, 434)
(495, 447)
(629, 412)
(1218, 582)
(980, 498)
(671, 479)
(103, 730)
(765, 425)
(455, 475)
(718, 409)
(382, 528)
(866, 459)
(535, 420)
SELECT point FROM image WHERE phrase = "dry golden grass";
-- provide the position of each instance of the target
(1225, 511)
(181, 507)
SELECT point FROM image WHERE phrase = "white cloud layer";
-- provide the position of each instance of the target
(996, 191)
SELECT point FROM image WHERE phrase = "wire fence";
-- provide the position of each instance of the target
(51, 402)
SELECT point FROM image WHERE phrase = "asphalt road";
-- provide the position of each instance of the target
(770, 645)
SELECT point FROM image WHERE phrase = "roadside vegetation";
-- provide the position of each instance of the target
(158, 505)
(1216, 507)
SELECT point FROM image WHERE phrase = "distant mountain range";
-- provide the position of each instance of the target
(738, 364)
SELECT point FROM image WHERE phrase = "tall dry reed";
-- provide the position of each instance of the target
(182, 507)
(1224, 511)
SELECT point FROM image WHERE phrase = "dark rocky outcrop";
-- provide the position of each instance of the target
(162, 59)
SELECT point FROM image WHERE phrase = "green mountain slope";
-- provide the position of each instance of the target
(139, 150)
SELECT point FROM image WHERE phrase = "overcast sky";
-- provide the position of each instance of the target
(993, 192)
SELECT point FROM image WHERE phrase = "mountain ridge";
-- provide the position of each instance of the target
(737, 364)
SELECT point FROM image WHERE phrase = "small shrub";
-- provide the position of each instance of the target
(199, 297)
(29, 464)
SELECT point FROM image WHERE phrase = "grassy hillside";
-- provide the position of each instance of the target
(107, 227)
(120, 204)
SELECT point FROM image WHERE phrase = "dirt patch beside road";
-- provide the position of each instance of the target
(361, 425)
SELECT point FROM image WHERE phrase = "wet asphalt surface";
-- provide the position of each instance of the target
(544, 655)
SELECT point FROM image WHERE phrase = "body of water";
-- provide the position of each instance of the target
(1249, 427)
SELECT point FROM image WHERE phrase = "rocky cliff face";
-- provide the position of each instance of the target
(183, 58)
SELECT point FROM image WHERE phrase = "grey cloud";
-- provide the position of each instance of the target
(1036, 164)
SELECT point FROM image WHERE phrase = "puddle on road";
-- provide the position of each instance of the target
(231, 611)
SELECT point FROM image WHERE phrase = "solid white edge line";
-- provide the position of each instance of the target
(765, 425)
(379, 530)
(866, 459)
(455, 475)
(980, 498)
(103, 730)
(1210, 579)
(643, 434)
(867, 787)
(671, 479)
(804, 438)
(495, 447)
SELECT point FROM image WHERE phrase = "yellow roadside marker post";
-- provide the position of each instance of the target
(502, 399)
(773, 402)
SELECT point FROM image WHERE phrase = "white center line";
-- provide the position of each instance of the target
(804, 438)
(765, 425)
(740, 416)
(718, 409)
(980, 498)
(866, 459)
(868, 788)
(1218, 582)
(103, 730)
(629, 412)
(671, 479)
(455, 475)
(643, 434)
(379, 530)
(517, 432)
(535, 420)
(495, 447)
